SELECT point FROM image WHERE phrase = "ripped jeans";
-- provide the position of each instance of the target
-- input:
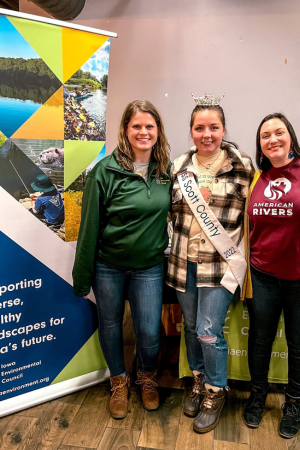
(204, 310)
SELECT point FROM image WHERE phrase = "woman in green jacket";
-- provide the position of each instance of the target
(121, 245)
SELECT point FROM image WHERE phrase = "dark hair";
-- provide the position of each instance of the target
(161, 150)
(264, 163)
(221, 115)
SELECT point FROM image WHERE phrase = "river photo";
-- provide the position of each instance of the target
(96, 107)
(85, 99)
(26, 82)
(18, 104)
(85, 117)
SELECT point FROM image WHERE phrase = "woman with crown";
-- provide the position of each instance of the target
(210, 184)
(273, 276)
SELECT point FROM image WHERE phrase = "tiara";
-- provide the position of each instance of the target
(208, 99)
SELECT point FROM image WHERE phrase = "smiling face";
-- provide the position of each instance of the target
(275, 142)
(142, 133)
(207, 132)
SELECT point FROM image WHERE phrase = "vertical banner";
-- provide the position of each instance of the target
(53, 94)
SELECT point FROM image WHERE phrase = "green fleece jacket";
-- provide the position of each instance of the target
(123, 221)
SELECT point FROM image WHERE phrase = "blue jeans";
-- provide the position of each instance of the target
(143, 289)
(270, 296)
(204, 310)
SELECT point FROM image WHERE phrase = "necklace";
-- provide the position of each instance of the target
(208, 166)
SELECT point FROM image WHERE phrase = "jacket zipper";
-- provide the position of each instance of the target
(135, 176)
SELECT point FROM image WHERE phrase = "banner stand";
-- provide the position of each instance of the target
(53, 97)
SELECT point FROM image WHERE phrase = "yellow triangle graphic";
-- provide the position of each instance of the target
(47, 122)
(77, 48)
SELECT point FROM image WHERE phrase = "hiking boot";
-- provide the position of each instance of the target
(290, 422)
(255, 406)
(150, 397)
(118, 405)
(193, 401)
(210, 410)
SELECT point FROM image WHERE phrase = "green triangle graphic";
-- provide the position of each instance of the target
(88, 359)
(3, 138)
(45, 39)
(78, 156)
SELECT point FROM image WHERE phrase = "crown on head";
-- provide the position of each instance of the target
(208, 99)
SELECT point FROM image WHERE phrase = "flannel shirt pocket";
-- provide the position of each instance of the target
(176, 195)
(236, 189)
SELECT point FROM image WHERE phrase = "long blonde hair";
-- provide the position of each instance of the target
(160, 151)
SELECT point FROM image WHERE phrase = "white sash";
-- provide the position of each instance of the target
(215, 232)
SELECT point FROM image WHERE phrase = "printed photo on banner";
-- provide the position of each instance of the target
(73, 201)
(25, 180)
(85, 98)
(26, 82)
(47, 154)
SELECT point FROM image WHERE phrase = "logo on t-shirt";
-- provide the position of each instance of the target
(55, 200)
(276, 189)
(206, 193)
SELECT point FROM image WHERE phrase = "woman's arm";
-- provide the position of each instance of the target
(88, 238)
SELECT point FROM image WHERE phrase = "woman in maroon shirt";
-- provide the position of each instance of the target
(274, 215)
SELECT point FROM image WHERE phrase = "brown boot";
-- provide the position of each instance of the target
(150, 397)
(210, 410)
(118, 405)
(192, 404)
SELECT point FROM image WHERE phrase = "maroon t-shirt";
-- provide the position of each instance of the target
(274, 212)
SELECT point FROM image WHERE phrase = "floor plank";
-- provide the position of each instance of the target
(266, 436)
(187, 439)
(147, 448)
(49, 430)
(114, 439)
(231, 427)
(77, 397)
(222, 445)
(35, 411)
(160, 427)
(294, 444)
(13, 431)
(135, 416)
(68, 447)
(273, 393)
(89, 425)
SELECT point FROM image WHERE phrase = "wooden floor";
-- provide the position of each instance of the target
(81, 421)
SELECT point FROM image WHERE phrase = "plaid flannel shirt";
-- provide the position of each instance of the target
(227, 202)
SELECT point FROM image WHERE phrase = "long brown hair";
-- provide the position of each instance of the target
(160, 151)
